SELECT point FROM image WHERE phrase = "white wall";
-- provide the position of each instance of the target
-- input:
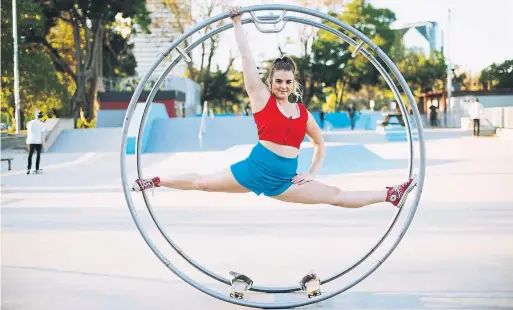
(498, 110)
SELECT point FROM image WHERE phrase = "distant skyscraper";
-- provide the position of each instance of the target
(425, 36)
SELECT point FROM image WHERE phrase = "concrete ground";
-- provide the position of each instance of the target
(69, 242)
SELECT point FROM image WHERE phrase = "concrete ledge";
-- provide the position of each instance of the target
(357, 136)
(55, 126)
(505, 133)
(13, 141)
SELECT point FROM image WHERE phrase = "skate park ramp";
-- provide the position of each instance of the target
(108, 139)
(183, 134)
(157, 111)
(163, 136)
(226, 140)
(87, 140)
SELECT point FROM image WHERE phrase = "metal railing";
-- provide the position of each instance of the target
(129, 84)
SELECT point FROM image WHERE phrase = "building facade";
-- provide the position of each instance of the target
(147, 47)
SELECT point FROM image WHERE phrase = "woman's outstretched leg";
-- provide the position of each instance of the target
(222, 181)
(316, 192)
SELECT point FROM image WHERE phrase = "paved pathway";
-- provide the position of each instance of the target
(68, 241)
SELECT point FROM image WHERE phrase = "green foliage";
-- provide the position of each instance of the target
(423, 74)
(84, 123)
(497, 76)
(59, 58)
(224, 90)
(41, 87)
(215, 84)
(118, 61)
(332, 61)
(88, 39)
(460, 80)
(93, 10)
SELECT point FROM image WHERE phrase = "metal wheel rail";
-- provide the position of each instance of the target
(273, 20)
(176, 247)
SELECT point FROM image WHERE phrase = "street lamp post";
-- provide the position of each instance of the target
(449, 71)
(16, 73)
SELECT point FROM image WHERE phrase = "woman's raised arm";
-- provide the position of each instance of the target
(257, 90)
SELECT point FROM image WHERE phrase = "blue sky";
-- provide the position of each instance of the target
(480, 33)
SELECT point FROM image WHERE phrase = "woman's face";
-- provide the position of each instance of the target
(282, 84)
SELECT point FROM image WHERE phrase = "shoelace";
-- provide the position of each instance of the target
(147, 184)
(398, 188)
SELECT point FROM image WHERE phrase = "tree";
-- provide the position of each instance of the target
(224, 89)
(40, 87)
(460, 80)
(332, 59)
(90, 24)
(304, 61)
(423, 74)
(497, 76)
(200, 70)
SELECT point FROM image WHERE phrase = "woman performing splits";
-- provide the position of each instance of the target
(271, 166)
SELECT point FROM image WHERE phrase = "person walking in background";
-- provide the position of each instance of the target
(35, 139)
(322, 116)
(475, 112)
(351, 111)
(433, 115)
(247, 109)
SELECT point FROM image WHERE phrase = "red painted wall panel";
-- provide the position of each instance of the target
(123, 105)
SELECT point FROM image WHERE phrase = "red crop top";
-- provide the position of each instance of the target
(275, 127)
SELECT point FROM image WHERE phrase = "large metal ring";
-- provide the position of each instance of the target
(369, 56)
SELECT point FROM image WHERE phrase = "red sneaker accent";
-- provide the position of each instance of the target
(144, 184)
(397, 194)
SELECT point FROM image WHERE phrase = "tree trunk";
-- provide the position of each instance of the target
(370, 94)
(302, 77)
(84, 99)
(75, 108)
(90, 98)
(340, 94)
(78, 95)
(206, 77)
(311, 91)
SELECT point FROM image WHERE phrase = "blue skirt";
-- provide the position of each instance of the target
(265, 172)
